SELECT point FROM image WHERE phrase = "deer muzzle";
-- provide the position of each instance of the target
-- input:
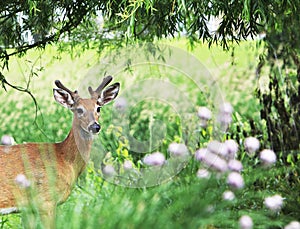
(94, 128)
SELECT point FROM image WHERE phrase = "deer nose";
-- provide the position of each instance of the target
(94, 128)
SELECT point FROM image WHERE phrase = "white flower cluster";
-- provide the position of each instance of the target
(235, 165)
(293, 225)
(127, 165)
(178, 150)
(224, 116)
(274, 203)
(228, 195)
(211, 160)
(203, 173)
(109, 171)
(226, 150)
(245, 222)
(220, 156)
(235, 180)
(266, 156)
(251, 145)
(154, 159)
(204, 115)
(22, 181)
(7, 140)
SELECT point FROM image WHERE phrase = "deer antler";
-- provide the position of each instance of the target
(95, 94)
(74, 94)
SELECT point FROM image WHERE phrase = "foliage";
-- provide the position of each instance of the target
(50, 20)
(280, 63)
(100, 24)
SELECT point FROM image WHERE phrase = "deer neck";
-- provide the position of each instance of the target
(77, 147)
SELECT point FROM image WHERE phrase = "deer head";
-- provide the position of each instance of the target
(86, 111)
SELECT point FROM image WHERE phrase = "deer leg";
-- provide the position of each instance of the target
(47, 216)
(35, 218)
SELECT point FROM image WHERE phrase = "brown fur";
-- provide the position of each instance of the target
(52, 170)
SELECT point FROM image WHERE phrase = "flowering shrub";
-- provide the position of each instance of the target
(222, 161)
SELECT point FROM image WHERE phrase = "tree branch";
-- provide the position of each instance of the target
(21, 89)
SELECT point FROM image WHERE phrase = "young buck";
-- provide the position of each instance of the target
(45, 173)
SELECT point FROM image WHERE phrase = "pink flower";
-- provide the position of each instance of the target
(109, 171)
(127, 165)
(293, 225)
(228, 195)
(235, 180)
(214, 161)
(217, 148)
(224, 119)
(7, 140)
(22, 181)
(226, 108)
(225, 113)
(204, 115)
(251, 145)
(245, 222)
(178, 149)
(235, 165)
(200, 154)
(154, 159)
(203, 173)
(268, 157)
(274, 203)
(232, 148)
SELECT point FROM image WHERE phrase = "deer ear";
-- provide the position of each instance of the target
(109, 94)
(64, 98)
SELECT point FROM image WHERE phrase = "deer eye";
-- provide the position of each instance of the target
(98, 109)
(80, 111)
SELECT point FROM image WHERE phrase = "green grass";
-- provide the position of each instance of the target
(182, 202)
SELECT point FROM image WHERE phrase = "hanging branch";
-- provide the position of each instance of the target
(21, 89)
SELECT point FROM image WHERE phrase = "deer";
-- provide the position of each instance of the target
(45, 173)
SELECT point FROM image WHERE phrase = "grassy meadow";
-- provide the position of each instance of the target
(182, 201)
